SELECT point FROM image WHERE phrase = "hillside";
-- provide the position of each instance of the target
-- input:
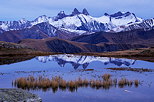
(139, 54)
(12, 49)
(66, 46)
(130, 37)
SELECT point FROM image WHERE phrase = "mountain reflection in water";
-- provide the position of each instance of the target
(76, 60)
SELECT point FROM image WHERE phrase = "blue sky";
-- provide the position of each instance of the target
(30, 9)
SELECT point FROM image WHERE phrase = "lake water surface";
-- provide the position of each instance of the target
(71, 67)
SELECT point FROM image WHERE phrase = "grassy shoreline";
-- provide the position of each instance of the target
(146, 54)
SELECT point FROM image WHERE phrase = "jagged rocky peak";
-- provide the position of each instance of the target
(119, 14)
(106, 14)
(85, 12)
(75, 12)
(42, 18)
(61, 15)
(128, 13)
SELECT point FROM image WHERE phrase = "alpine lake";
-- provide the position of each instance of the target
(69, 67)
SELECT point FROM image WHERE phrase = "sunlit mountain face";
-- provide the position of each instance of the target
(76, 60)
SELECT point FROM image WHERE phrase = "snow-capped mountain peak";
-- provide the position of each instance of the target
(79, 21)
(122, 18)
(40, 19)
(23, 21)
(60, 15)
(119, 14)
(118, 21)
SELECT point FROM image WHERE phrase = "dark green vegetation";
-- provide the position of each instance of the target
(44, 83)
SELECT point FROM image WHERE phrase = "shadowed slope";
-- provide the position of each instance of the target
(130, 37)
(65, 46)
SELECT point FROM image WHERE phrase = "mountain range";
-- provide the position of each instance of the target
(68, 26)
(80, 32)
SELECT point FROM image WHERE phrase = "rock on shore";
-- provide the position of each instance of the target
(18, 95)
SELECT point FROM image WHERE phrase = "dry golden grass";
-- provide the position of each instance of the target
(125, 82)
(106, 77)
(136, 83)
(72, 84)
(62, 84)
(58, 82)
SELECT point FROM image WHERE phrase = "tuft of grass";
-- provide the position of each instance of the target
(123, 82)
(107, 84)
(59, 83)
(54, 84)
(106, 77)
(62, 84)
(72, 84)
(136, 83)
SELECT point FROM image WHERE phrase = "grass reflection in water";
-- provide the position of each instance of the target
(58, 82)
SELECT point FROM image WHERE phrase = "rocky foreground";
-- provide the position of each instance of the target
(18, 95)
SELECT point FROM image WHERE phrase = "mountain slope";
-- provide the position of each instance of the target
(130, 37)
(145, 25)
(39, 31)
(65, 46)
(8, 49)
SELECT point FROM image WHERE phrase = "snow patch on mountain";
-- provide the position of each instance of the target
(79, 32)
(144, 25)
(41, 19)
(79, 22)
(4, 26)
(68, 22)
